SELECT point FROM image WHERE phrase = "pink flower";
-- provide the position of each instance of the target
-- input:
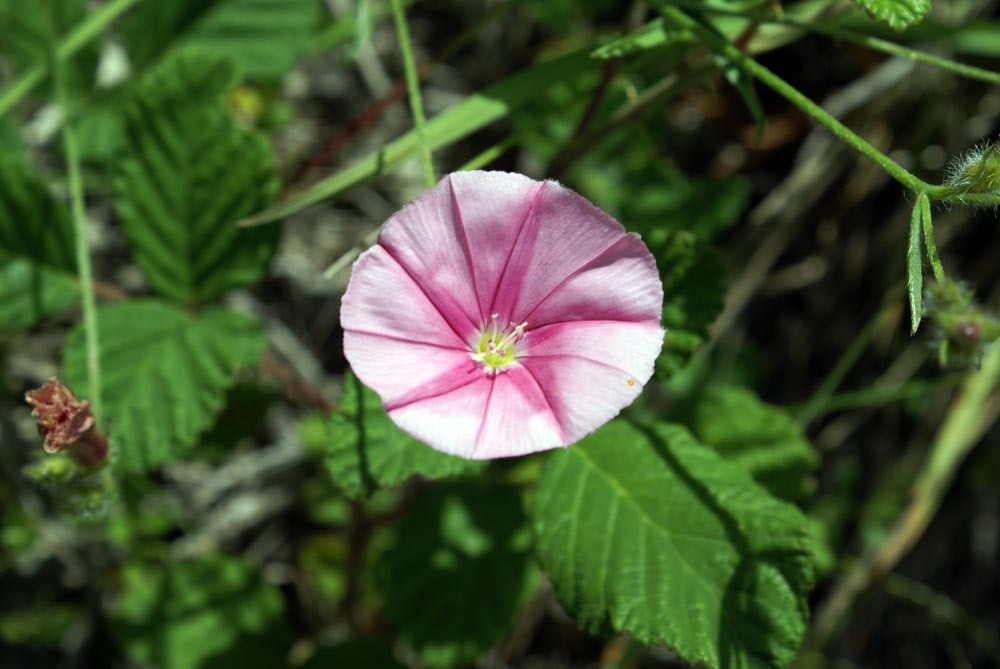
(499, 316)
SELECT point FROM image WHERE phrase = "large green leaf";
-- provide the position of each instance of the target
(647, 531)
(164, 373)
(760, 437)
(187, 174)
(458, 573)
(694, 283)
(215, 611)
(263, 38)
(364, 450)
(37, 267)
(898, 14)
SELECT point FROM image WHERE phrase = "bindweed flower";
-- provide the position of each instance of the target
(66, 423)
(498, 316)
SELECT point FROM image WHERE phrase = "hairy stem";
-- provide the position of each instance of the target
(80, 240)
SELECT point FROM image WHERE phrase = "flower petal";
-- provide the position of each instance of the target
(628, 267)
(493, 207)
(563, 234)
(381, 298)
(518, 418)
(455, 238)
(590, 370)
(630, 348)
(448, 422)
(404, 372)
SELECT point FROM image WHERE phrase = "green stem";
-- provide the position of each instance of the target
(80, 239)
(413, 84)
(80, 35)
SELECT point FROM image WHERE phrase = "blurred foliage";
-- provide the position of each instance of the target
(261, 509)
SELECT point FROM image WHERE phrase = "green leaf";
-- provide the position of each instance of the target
(653, 34)
(262, 38)
(37, 266)
(188, 173)
(694, 284)
(215, 611)
(459, 572)
(760, 437)
(646, 531)
(898, 14)
(471, 114)
(915, 268)
(364, 450)
(164, 373)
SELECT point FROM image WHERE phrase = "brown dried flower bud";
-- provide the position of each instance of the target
(66, 422)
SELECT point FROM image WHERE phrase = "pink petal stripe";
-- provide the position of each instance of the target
(404, 372)
(493, 208)
(448, 422)
(629, 348)
(427, 238)
(587, 294)
(516, 394)
(563, 234)
(585, 394)
(381, 298)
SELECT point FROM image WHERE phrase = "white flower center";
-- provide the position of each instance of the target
(497, 347)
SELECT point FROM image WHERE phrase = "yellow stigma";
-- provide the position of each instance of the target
(497, 348)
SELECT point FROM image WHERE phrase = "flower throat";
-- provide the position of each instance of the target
(497, 347)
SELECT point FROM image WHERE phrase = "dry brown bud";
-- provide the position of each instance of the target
(66, 422)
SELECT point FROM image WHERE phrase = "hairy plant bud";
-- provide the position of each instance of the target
(961, 330)
(977, 172)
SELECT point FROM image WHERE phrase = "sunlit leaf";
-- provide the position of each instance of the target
(646, 531)
(898, 14)
(164, 373)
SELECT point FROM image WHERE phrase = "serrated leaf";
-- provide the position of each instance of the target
(365, 450)
(644, 530)
(164, 373)
(215, 611)
(760, 437)
(694, 284)
(898, 14)
(263, 38)
(654, 34)
(915, 269)
(188, 172)
(458, 573)
(37, 267)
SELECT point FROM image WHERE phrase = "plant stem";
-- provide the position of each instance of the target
(80, 35)
(413, 84)
(80, 239)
